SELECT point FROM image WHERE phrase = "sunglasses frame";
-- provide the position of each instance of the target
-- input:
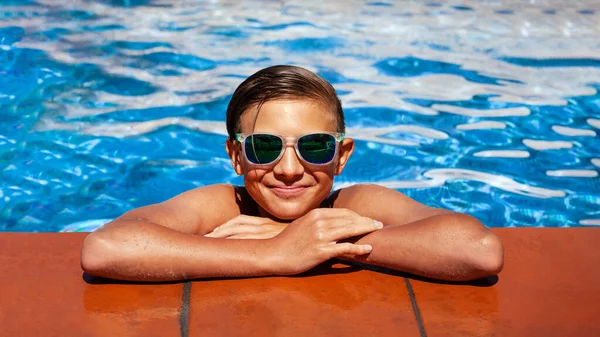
(289, 141)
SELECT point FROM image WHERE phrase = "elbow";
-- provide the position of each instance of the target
(485, 256)
(490, 255)
(94, 255)
(486, 253)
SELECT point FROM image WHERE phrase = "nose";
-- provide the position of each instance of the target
(289, 166)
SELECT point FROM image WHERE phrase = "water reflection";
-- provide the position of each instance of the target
(91, 91)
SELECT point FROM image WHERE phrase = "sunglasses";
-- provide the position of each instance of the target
(315, 148)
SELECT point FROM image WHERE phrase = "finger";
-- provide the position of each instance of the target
(346, 257)
(338, 229)
(250, 236)
(328, 213)
(242, 219)
(232, 230)
(346, 248)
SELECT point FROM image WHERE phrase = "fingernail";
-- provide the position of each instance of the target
(368, 248)
(378, 224)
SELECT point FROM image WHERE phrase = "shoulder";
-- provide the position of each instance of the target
(361, 193)
(222, 197)
(198, 210)
(219, 191)
(380, 203)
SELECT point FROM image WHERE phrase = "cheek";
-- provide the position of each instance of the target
(324, 175)
(252, 174)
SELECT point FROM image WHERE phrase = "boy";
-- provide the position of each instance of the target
(286, 137)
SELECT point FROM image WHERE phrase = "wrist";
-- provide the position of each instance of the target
(267, 259)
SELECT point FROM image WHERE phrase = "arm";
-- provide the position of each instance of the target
(161, 242)
(165, 242)
(139, 250)
(422, 240)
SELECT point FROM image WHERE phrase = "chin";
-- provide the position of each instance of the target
(291, 207)
(288, 212)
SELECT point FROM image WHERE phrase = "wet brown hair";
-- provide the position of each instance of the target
(281, 82)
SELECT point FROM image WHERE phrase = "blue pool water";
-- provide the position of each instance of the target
(492, 109)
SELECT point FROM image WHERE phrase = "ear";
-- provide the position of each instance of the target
(345, 150)
(235, 155)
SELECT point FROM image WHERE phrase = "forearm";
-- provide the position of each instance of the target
(141, 251)
(453, 247)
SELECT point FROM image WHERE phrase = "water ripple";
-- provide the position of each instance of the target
(412, 66)
(439, 176)
(567, 131)
(181, 60)
(481, 125)
(503, 154)
(484, 109)
(573, 173)
(520, 111)
(556, 62)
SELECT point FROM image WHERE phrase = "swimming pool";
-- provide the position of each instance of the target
(491, 109)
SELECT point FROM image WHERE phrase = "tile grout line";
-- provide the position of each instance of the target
(415, 307)
(184, 311)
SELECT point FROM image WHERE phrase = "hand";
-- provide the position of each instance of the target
(248, 227)
(313, 239)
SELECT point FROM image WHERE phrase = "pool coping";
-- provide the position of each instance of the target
(549, 287)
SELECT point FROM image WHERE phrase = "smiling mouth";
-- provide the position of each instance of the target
(288, 191)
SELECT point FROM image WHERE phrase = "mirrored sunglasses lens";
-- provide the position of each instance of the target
(317, 148)
(262, 149)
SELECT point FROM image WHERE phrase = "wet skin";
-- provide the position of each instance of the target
(275, 225)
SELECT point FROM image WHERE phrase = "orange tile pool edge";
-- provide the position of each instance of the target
(43, 293)
(550, 287)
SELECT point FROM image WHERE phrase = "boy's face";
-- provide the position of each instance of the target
(290, 187)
